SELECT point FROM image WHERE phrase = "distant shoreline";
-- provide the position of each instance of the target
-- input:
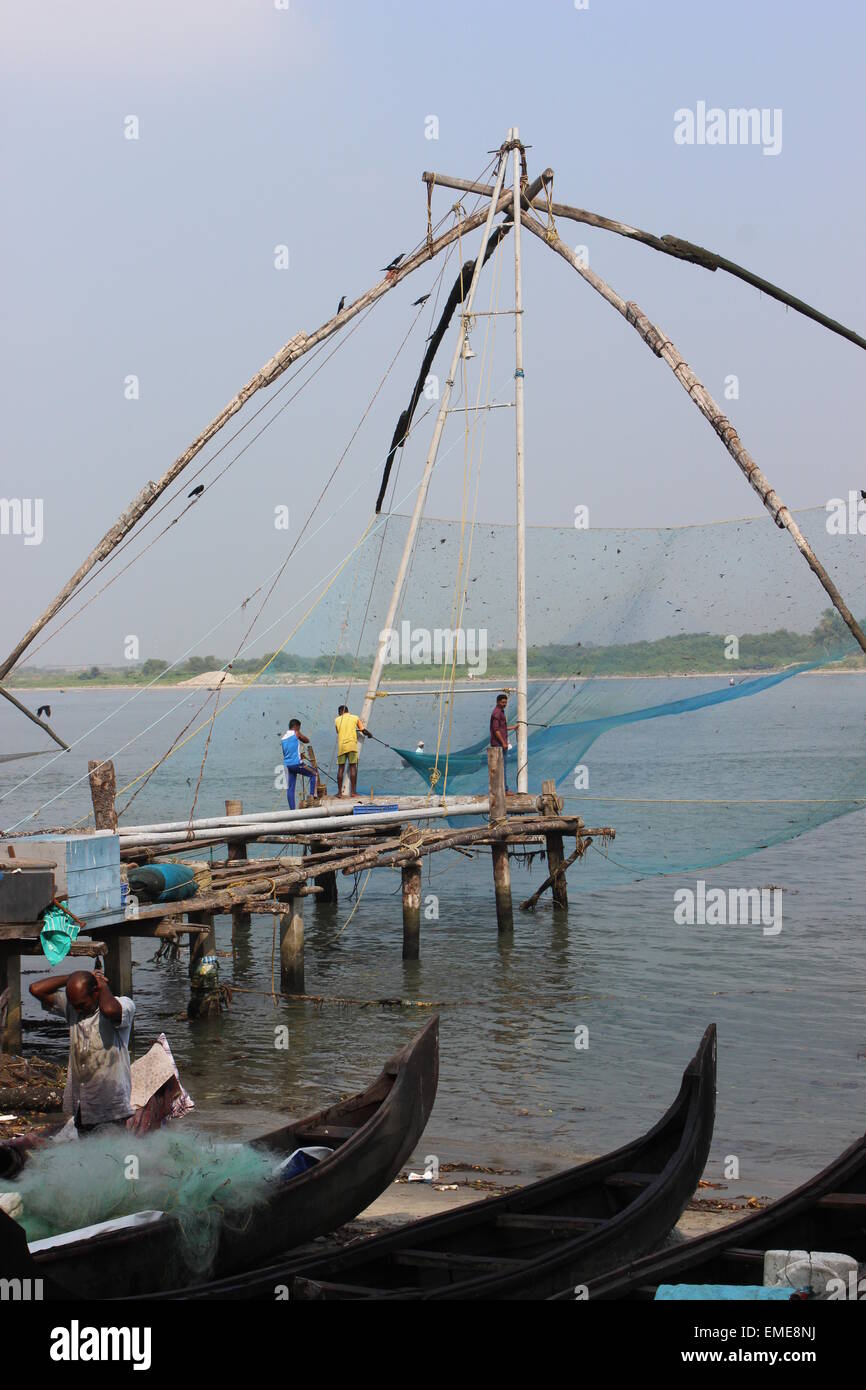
(484, 683)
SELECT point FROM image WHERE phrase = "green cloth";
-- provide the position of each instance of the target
(58, 933)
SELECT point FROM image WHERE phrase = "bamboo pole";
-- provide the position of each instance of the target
(522, 727)
(668, 245)
(289, 353)
(333, 807)
(382, 818)
(662, 346)
(424, 485)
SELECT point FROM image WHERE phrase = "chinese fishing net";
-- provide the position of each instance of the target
(689, 686)
(202, 1183)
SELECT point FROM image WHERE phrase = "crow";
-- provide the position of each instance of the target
(197, 491)
(394, 264)
(416, 303)
(43, 709)
(340, 305)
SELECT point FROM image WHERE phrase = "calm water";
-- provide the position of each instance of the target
(514, 1091)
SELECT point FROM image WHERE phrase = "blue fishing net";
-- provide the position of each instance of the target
(691, 686)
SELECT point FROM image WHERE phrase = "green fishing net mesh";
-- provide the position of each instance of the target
(204, 1184)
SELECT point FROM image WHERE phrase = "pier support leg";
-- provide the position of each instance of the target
(118, 966)
(237, 849)
(555, 851)
(10, 1001)
(501, 864)
(292, 947)
(411, 876)
(204, 975)
(327, 882)
(103, 789)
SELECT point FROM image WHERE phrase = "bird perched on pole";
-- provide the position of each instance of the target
(393, 264)
(340, 305)
(416, 303)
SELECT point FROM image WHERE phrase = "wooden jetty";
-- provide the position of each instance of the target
(325, 840)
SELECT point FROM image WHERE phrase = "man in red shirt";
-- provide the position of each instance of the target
(499, 725)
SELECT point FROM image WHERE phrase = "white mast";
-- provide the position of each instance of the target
(522, 767)
(420, 500)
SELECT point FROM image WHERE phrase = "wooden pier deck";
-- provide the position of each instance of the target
(325, 840)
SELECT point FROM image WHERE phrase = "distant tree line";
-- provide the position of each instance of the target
(691, 653)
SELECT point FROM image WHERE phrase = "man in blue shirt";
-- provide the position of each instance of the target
(291, 741)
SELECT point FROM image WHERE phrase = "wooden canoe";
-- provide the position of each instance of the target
(827, 1213)
(564, 1230)
(372, 1133)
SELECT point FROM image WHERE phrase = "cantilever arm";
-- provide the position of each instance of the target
(291, 351)
(669, 246)
(662, 346)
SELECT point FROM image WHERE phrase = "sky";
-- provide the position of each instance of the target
(306, 126)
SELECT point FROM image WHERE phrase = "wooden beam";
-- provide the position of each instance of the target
(290, 352)
(663, 347)
(34, 718)
(668, 245)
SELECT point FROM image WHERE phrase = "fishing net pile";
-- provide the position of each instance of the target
(690, 686)
(202, 1183)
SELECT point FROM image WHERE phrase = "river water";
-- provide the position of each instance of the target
(515, 1092)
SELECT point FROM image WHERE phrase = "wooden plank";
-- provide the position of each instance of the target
(446, 1259)
(10, 1000)
(527, 1221)
(844, 1201)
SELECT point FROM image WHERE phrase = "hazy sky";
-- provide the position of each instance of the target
(259, 127)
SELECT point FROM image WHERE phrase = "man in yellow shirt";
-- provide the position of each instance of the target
(348, 727)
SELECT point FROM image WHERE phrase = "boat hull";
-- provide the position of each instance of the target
(373, 1133)
(529, 1244)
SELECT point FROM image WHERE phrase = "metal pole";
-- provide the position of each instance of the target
(522, 751)
(420, 500)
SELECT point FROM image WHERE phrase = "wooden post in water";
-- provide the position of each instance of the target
(204, 975)
(411, 876)
(555, 851)
(292, 947)
(10, 1000)
(118, 956)
(237, 849)
(118, 962)
(103, 789)
(327, 881)
(501, 865)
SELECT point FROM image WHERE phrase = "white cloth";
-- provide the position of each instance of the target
(99, 1081)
